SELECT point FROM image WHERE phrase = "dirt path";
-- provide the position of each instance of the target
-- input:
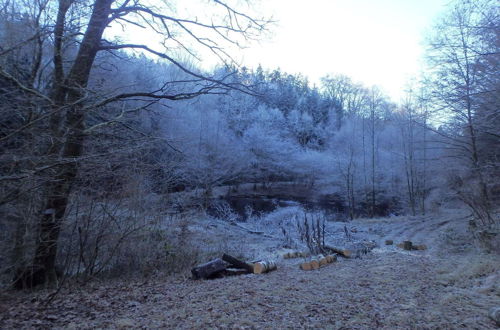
(387, 289)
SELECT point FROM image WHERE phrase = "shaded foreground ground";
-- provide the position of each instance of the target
(389, 288)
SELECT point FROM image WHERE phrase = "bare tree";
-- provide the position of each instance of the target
(350, 97)
(412, 121)
(464, 58)
(73, 32)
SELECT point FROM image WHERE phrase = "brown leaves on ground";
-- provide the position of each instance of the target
(383, 290)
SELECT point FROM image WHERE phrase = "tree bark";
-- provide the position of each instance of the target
(237, 263)
(262, 267)
(57, 191)
(209, 269)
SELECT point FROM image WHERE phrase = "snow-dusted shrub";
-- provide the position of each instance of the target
(224, 211)
(281, 217)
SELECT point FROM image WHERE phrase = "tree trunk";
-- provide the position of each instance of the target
(58, 189)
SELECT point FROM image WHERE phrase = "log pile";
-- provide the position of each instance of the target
(317, 262)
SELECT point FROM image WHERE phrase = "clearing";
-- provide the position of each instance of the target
(449, 286)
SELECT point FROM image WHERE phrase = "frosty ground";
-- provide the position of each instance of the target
(449, 286)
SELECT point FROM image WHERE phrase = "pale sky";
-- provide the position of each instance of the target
(373, 41)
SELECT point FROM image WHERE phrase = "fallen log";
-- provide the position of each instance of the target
(234, 271)
(209, 269)
(253, 231)
(407, 245)
(419, 247)
(305, 266)
(331, 258)
(295, 254)
(322, 260)
(262, 267)
(289, 255)
(237, 263)
(354, 250)
(342, 251)
(314, 263)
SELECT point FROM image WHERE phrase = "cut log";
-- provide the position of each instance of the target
(295, 254)
(262, 267)
(419, 247)
(305, 266)
(290, 255)
(400, 245)
(407, 245)
(234, 271)
(322, 260)
(353, 250)
(342, 251)
(389, 242)
(314, 263)
(331, 258)
(318, 262)
(237, 263)
(209, 269)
